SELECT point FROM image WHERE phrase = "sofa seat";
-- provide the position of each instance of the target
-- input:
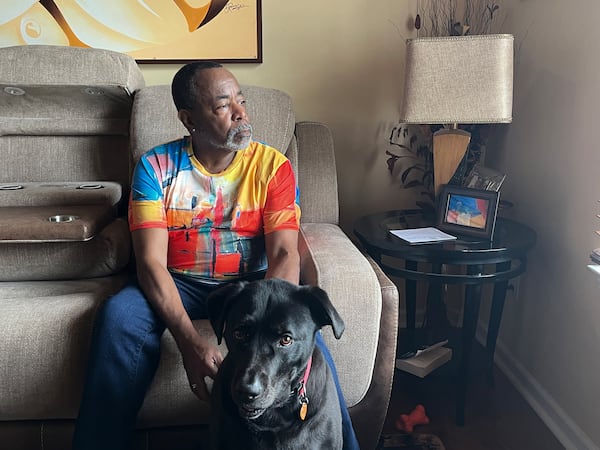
(45, 338)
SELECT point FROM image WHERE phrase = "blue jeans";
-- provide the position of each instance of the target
(123, 359)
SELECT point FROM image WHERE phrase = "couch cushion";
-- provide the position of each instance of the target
(43, 350)
(60, 158)
(169, 401)
(271, 114)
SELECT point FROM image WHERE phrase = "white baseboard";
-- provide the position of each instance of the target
(556, 419)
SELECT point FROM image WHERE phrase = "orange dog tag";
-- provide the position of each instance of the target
(303, 410)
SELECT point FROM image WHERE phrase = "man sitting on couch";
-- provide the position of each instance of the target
(206, 209)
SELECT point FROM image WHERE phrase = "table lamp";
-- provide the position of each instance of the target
(457, 80)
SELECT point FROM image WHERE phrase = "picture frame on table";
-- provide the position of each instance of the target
(467, 211)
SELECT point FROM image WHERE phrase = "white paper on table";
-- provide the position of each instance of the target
(422, 235)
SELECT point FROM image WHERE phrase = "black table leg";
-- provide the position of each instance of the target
(495, 318)
(470, 317)
(410, 289)
(436, 316)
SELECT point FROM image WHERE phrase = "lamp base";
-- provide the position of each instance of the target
(449, 148)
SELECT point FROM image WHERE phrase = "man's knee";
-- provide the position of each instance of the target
(123, 313)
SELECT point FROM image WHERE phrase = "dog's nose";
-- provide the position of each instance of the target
(249, 389)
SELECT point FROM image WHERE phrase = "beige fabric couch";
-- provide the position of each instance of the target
(72, 123)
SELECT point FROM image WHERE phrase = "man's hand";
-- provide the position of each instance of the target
(200, 359)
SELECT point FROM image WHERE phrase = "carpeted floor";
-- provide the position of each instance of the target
(414, 441)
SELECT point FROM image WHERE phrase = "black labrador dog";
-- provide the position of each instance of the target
(274, 389)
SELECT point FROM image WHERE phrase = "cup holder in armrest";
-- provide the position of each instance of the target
(31, 224)
(61, 218)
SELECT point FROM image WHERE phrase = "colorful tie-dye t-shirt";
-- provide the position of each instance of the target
(216, 222)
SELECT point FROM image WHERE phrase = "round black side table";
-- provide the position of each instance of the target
(476, 261)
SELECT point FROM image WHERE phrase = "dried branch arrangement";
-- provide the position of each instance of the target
(447, 18)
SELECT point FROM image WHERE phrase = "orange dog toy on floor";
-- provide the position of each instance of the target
(407, 422)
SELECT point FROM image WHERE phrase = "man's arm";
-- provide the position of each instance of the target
(200, 358)
(283, 256)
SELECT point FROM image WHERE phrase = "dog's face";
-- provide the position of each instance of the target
(269, 327)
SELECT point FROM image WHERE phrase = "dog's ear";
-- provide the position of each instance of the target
(218, 303)
(324, 311)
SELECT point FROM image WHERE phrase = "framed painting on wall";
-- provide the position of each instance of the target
(151, 31)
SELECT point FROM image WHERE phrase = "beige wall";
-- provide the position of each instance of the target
(551, 334)
(341, 62)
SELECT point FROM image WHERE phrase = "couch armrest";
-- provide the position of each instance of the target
(369, 415)
(368, 302)
(331, 261)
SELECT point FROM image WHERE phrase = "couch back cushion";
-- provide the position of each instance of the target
(64, 113)
(154, 118)
(64, 110)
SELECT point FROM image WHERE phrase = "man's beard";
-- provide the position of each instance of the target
(231, 144)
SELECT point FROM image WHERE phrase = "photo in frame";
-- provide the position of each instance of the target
(467, 211)
(151, 31)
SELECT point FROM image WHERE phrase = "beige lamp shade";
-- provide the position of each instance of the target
(458, 79)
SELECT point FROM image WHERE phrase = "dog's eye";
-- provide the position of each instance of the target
(240, 335)
(285, 340)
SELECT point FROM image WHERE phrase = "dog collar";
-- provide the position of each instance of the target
(302, 391)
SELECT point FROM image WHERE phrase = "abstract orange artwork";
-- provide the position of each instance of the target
(162, 31)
